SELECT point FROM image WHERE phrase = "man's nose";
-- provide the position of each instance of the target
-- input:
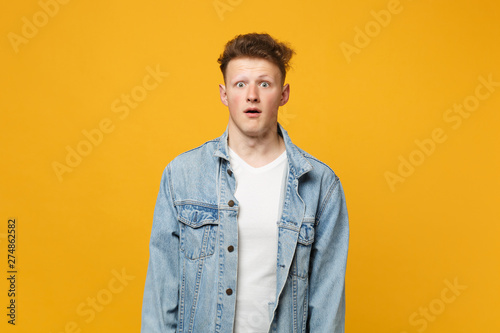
(253, 93)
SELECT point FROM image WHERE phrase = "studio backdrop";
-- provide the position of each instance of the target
(400, 97)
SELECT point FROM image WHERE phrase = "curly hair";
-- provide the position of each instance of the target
(256, 45)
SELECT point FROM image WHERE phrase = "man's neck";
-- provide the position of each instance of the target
(256, 151)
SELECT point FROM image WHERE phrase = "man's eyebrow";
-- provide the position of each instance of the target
(265, 75)
(242, 76)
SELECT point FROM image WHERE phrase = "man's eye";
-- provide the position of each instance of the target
(240, 84)
(265, 84)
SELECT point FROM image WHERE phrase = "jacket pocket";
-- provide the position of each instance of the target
(198, 230)
(300, 266)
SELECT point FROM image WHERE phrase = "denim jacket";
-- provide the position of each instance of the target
(191, 277)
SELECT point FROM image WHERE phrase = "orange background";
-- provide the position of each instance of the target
(371, 82)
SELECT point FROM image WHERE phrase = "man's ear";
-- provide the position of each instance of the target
(285, 94)
(223, 95)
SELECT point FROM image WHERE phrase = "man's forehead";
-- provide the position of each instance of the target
(252, 63)
(259, 66)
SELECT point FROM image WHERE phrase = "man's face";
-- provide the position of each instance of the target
(253, 93)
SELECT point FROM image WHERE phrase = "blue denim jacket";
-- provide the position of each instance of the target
(191, 277)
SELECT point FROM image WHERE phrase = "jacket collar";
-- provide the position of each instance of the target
(299, 165)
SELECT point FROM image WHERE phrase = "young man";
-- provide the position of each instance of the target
(250, 233)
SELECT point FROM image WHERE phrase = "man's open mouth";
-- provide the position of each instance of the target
(252, 111)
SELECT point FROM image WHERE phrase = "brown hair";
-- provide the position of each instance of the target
(257, 46)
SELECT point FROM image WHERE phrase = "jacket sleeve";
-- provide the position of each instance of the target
(161, 292)
(326, 312)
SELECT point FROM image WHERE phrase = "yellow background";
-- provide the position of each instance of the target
(358, 113)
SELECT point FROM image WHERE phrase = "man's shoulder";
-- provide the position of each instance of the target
(197, 155)
(318, 166)
(304, 162)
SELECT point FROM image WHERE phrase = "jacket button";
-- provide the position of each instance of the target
(229, 172)
(229, 291)
(230, 248)
(231, 203)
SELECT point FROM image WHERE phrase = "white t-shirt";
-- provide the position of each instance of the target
(259, 192)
